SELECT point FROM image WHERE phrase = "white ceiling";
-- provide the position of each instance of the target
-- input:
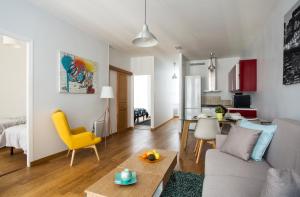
(199, 26)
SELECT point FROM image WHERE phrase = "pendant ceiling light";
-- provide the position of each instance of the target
(145, 38)
(174, 75)
(212, 67)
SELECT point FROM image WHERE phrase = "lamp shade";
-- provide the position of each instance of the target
(145, 38)
(107, 92)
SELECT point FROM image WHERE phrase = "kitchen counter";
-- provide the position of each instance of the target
(232, 108)
(249, 113)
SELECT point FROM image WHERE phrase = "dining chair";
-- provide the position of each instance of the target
(206, 131)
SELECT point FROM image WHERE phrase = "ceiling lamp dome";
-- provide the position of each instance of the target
(145, 38)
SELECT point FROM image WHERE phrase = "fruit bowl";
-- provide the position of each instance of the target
(151, 156)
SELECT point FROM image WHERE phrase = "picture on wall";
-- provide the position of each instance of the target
(77, 75)
(291, 54)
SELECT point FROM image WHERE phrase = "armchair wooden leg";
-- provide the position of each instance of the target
(72, 159)
(68, 152)
(96, 152)
(199, 151)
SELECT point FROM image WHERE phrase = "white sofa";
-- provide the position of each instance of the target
(229, 176)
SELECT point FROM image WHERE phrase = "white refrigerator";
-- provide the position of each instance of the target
(192, 97)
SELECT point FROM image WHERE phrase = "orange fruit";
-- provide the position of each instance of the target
(144, 156)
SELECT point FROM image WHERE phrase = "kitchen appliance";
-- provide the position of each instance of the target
(192, 106)
(241, 101)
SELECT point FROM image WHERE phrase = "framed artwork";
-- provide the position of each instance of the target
(291, 54)
(77, 75)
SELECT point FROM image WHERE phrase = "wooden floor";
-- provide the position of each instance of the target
(10, 163)
(57, 178)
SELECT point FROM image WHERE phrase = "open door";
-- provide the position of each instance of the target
(122, 102)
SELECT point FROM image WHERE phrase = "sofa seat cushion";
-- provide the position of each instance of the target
(227, 186)
(218, 163)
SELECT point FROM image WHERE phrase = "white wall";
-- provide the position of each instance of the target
(119, 59)
(273, 99)
(49, 36)
(142, 65)
(224, 65)
(164, 85)
(12, 80)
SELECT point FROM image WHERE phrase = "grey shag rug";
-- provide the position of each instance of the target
(183, 184)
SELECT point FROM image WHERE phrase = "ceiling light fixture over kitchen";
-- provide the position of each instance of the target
(145, 38)
(212, 67)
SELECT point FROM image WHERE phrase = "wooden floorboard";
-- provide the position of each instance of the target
(10, 163)
(56, 178)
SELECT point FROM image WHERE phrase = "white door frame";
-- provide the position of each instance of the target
(29, 91)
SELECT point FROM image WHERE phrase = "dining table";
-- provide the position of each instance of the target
(186, 125)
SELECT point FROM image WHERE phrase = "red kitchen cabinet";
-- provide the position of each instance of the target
(243, 76)
(245, 112)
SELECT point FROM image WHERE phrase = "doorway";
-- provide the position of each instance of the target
(15, 114)
(142, 101)
(120, 107)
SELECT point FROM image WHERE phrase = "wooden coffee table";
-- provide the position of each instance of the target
(151, 177)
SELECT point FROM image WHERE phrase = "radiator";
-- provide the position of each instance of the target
(99, 128)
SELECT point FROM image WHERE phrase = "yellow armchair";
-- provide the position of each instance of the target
(74, 138)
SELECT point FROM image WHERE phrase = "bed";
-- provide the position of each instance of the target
(16, 137)
(13, 133)
(11, 121)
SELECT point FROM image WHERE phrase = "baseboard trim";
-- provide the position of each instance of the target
(176, 116)
(164, 123)
(48, 158)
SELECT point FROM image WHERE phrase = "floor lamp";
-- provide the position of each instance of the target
(107, 93)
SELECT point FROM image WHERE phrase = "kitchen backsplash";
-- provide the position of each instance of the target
(215, 100)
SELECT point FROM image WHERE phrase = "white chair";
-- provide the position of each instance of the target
(206, 131)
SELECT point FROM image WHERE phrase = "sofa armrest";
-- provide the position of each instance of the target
(220, 139)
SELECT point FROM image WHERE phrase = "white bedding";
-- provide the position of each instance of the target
(15, 136)
(11, 121)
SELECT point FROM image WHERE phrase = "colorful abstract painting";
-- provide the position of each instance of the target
(77, 75)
